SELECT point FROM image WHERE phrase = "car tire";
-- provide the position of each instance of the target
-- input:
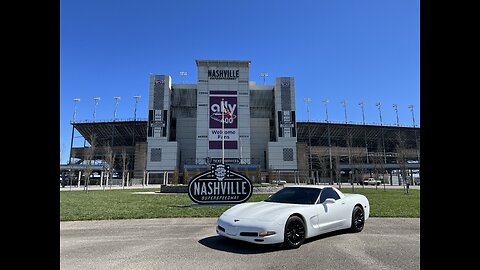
(294, 234)
(358, 219)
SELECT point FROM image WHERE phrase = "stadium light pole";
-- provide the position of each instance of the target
(344, 103)
(362, 105)
(117, 98)
(75, 100)
(325, 101)
(95, 103)
(137, 98)
(183, 74)
(310, 173)
(379, 106)
(395, 107)
(411, 107)
(264, 75)
(348, 140)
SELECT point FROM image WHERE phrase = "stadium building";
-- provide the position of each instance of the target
(226, 117)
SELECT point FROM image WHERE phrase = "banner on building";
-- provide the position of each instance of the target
(223, 108)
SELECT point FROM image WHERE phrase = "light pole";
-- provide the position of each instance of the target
(307, 101)
(325, 101)
(137, 98)
(411, 107)
(117, 98)
(362, 105)
(379, 106)
(95, 103)
(264, 75)
(344, 103)
(395, 107)
(75, 100)
(115, 110)
(348, 139)
(183, 74)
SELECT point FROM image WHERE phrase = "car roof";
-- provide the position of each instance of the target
(340, 193)
(310, 186)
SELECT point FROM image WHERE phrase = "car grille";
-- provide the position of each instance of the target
(249, 234)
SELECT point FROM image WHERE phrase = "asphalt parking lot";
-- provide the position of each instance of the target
(192, 243)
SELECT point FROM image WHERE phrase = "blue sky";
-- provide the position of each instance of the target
(337, 49)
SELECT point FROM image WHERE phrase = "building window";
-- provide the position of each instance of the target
(156, 155)
(287, 154)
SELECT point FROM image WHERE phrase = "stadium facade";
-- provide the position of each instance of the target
(253, 128)
(225, 116)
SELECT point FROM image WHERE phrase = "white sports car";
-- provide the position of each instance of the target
(294, 214)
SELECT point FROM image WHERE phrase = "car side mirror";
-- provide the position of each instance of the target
(329, 200)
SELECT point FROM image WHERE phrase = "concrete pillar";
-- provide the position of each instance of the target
(79, 177)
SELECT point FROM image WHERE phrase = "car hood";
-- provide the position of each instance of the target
(267, 211)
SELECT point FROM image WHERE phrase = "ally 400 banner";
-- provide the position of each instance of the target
(223, 102)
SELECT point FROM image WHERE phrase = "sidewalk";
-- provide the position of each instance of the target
(97, 187)
(157, 186)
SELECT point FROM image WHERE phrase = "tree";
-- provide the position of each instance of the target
(89, 156)
(402, 158)
(125, 163)
(110, 160)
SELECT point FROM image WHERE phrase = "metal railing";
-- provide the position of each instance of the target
(109, 120)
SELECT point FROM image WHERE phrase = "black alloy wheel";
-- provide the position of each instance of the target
(358, 219)
(294, 232)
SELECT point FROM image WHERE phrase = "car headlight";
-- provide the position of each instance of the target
(266, 233)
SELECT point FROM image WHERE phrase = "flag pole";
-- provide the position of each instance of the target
(223, 133)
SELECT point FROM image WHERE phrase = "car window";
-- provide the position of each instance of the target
(297, 195)
(328, 193)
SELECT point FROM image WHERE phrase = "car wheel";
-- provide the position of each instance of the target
(294, 232)
(358, 219)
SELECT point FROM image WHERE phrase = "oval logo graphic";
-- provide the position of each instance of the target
(220, 185)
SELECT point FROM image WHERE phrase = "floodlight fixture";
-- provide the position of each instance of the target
(117, 98)
(183, 74)
(264, 75)
(137, 98)
(362, 105)
(75, 100)
(395, 107)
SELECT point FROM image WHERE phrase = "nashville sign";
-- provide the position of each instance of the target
(220, 74)
(220, 185)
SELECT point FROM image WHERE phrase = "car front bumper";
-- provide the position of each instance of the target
(228, 228)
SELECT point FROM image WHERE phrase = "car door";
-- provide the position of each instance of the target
(331, 213)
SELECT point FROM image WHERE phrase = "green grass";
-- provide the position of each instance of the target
(390, 203)
(124, 204)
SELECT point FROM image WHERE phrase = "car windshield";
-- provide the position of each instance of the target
(297, 195)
